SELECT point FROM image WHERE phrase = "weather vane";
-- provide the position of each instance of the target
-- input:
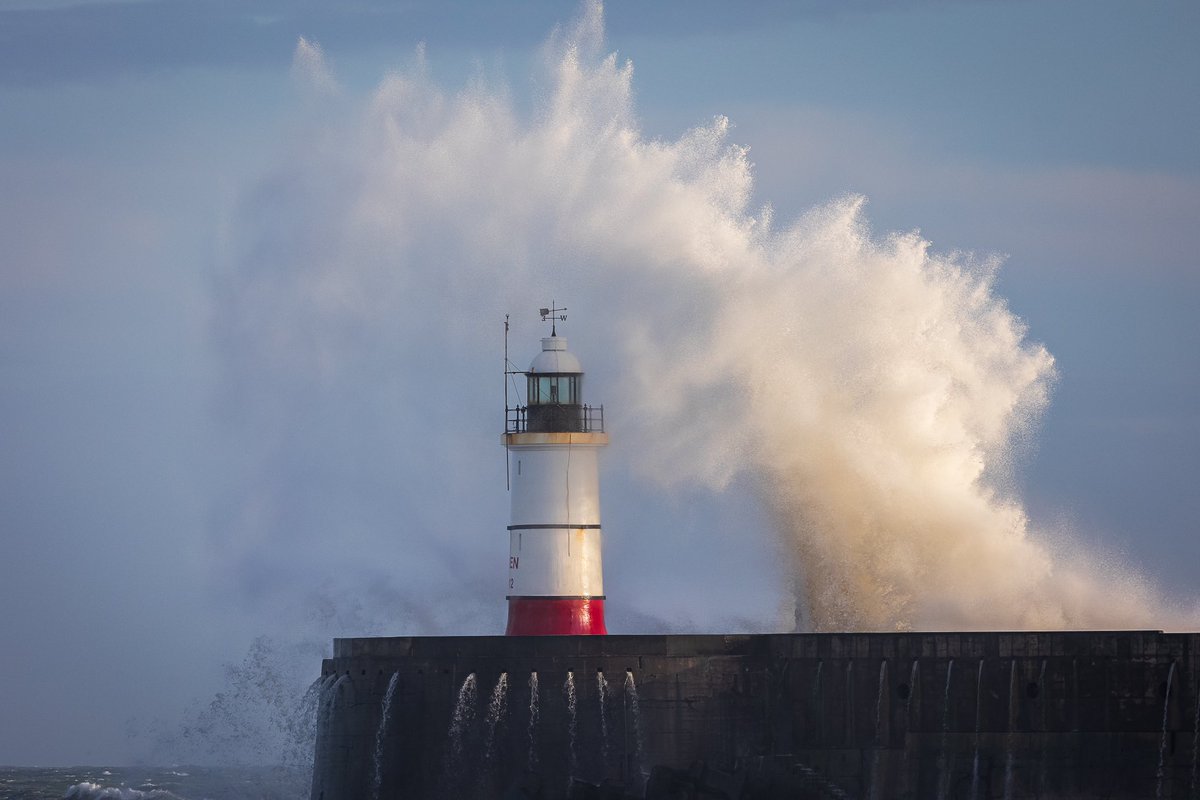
(552, 314)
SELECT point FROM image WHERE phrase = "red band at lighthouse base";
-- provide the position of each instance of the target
(555, 616)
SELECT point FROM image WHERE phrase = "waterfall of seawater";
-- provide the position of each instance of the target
(329, 692)
(1043, 698)
(911, 770)
(816, 692)
(496, 711)
(848, 709)
(913, 676)
(497, 708)
(533, 720)
(325, 703)
(1042, 690)
(572, 723)
(1196, 749)
(383, 732)
(635, 715)
(311, 703)
(310, 710)
(879, 742)
(1012, 726)
(1162, 746)
(945, 762)
(602, 697)
(460, 721)
(978, 710)
(384, 715)
(320, 713)
(879, 702)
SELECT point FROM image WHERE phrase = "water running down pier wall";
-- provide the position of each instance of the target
(898, 715)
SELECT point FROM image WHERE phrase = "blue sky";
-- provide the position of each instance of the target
(154, 155)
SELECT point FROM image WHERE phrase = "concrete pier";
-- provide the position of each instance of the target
(871, 715)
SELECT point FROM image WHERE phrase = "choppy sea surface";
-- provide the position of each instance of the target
(153, 783)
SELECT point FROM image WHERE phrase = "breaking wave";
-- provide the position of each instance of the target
(94, 791)
(875, 390)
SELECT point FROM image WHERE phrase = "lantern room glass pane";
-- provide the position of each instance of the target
(539, 390)
(554, 390)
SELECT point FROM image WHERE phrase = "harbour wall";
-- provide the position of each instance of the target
(863, 715)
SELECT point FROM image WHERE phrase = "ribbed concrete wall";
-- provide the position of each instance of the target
(890, 715)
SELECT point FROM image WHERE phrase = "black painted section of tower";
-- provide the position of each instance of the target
(883, 715)
(555, 417)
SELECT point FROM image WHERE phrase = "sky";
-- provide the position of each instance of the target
(879, 297)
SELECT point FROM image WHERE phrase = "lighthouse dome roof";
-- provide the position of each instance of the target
(555, 358)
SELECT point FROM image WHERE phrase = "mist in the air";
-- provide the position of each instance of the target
(867, 395)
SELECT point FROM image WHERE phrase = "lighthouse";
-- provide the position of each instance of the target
(555, 579)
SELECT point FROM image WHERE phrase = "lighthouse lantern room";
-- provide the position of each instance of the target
(555, 579)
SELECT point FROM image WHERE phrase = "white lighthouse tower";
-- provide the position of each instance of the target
(555, 580)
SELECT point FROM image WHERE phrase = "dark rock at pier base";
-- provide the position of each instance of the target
(871, 715)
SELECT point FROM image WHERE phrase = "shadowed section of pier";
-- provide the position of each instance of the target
(895, 715)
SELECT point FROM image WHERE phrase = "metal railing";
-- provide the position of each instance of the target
(554, 418)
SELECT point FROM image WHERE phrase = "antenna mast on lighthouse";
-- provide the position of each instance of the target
(555, 575)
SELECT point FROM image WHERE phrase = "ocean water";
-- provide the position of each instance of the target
(154, 783)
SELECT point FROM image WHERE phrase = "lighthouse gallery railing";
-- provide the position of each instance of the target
(576, 419)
